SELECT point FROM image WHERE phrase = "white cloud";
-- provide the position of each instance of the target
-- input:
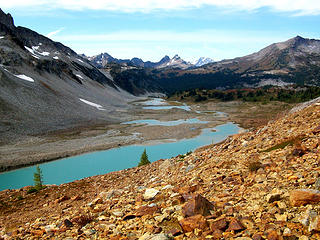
(298, 7)
(51, 34)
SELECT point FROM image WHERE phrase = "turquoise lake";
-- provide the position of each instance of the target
(167, 123)
(95, 163)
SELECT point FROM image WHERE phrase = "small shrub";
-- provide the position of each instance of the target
(279, 146)
(3, 204)
(144, 159)
(32, 190)
(181, 158)
(253, 166)
(37, 179)
(19, 197)
(188, 153)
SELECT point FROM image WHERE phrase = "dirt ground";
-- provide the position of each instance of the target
(30, 150)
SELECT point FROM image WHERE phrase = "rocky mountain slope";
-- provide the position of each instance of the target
(262, 184)
(102, 60)
(45, 86)
(283, 61)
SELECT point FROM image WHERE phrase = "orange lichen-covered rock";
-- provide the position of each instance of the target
(197, 205)
(218, 224)
(235, 225)
(301, 197)
(191, 223)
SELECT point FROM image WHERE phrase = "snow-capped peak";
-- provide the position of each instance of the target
(202, 61)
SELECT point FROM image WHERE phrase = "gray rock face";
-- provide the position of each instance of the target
(6, 19)
(46, 86)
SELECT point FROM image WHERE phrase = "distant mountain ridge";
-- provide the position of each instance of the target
(295, 61)
(103, 59)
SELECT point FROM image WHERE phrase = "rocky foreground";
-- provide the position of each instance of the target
(261, 184)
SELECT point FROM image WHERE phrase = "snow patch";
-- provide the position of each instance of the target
(44, 53)
(21, 76)
(35, 56)
(1, 37)
(34, 51)
(79, 76)
(24, 77)
(56, 57)
(99, 107)
(29, 49)
(80, 60)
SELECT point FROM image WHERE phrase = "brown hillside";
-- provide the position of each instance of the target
(257, 185)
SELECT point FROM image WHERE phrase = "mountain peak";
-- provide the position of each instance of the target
(298, 37)
(176, 57)
(105, 55)
(165, 59)
(202, 61)
(6, 19)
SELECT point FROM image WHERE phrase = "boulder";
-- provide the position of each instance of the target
(146, 210)
(218, 224)
(150, 193)
(197, 205)
(275, 195)
(235, 225)
(68, 223)
(191, 223)
(302, 197)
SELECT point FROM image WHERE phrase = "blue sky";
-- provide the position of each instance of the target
(150, 29)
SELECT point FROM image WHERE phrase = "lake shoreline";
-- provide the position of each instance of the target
(147, 134)
(116, 159)
(60, 155)
(77, 141)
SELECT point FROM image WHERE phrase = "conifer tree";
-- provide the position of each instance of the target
(37, 179)
(144, 159)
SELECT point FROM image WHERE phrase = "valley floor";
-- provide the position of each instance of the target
(30, 150)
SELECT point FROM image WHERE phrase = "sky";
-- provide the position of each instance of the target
(151, 29)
